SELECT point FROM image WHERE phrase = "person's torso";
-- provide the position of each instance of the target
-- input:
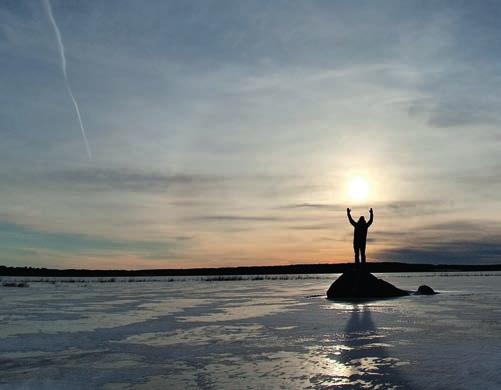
(360, 230)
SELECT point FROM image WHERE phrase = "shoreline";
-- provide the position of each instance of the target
(381, 267)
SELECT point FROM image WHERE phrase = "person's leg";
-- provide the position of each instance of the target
(356, 249)
(362, 251)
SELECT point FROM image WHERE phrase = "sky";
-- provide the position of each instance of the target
(227, 133)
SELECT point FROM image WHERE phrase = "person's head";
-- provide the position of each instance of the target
(361, 219)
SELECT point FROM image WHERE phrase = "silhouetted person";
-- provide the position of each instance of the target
(360, 234)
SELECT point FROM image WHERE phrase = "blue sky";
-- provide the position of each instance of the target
(227, 132)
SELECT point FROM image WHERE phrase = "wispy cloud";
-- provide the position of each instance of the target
(313, 227)
(398, 208)
(317, 206)
(459, 241)
(18, 239)
(236, 218)
(123, 179)
(452, 252)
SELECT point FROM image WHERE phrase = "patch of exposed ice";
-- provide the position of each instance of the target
(202, 335)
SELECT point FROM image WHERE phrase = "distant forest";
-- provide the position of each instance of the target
(252, 270)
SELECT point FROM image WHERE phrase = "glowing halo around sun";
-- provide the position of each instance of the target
(358, 189)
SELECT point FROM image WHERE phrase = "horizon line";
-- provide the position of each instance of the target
(374, 264)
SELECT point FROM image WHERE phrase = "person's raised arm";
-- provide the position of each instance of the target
(348, 212)
(371, 218)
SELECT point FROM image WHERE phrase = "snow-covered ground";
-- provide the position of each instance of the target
(252, 334)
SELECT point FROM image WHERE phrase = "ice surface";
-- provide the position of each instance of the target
(250, 334)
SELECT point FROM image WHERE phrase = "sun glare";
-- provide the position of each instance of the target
(358, 189)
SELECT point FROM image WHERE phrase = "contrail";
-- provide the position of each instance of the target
(48, 8)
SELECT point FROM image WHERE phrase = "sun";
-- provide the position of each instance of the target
(358, 189)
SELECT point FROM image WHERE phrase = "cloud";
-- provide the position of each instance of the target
(450, 242)
(17, 236)
(123, 179)
(451, 252)
(416, 207)
(387, 236)
(236, 218)
(312, 227)
(402, 207)
(485, 177)
(456, 111)
(318, 206)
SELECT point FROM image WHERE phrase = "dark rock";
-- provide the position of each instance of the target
(425, 290)
(360, 283)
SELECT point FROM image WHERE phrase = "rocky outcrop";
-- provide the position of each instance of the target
(425, 290)
(359, 283)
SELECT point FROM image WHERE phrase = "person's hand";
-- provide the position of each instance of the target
(348, 210)
(370, 210)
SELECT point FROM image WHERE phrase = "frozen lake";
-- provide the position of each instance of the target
(250, 334)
